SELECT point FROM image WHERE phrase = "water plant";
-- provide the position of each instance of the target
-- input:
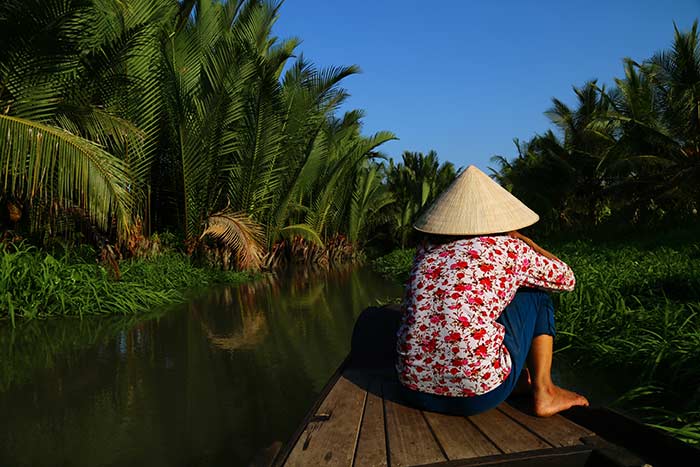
(37, 284)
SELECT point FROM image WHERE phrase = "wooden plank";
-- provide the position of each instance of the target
(459, 438)
(282, 456)
(331, 436)
(371, 445)
(556, 430)
(505, 433)
(410, 439)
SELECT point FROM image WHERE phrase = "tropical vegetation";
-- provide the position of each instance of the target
(123, 118)
(628, 154)
(126, 123)
(70, 283)
(415, 183)
(142, 138)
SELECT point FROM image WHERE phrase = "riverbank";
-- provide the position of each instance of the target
(37, 284)
(636, 307)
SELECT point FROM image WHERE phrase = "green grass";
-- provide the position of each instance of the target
(636, 307)
(37, 284)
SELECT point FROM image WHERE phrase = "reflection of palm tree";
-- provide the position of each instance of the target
(253, 330)
(305, 316)
(308, 295)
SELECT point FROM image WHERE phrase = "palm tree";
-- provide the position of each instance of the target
(641, 147)
(310, 96)
(629, 151)
(655, 154)
(249, 141)
(218, 82)
(415, 182)
(186, 113)
(370, 197)
(676, 76)
(345, 153)
(63, 140)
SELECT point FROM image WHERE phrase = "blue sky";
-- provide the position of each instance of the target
(466, 77)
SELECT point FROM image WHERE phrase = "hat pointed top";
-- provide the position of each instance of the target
(474, 204)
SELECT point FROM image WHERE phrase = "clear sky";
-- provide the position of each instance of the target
(466, 77)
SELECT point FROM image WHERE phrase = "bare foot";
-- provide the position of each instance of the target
(553, 399)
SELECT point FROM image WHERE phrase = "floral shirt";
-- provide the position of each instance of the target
(449, 342)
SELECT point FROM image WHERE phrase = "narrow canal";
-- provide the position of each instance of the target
(214, 382)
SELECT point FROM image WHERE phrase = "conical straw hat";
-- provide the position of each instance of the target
(474, 204)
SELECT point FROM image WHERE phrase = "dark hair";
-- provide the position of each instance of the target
(436, 239)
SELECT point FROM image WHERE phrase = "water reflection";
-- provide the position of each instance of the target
(213, 382)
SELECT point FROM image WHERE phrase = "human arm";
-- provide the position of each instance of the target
(531, 243)
(538, 267)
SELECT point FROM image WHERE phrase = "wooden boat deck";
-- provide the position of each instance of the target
(362, 421)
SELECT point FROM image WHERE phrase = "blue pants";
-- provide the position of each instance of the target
(529, 314)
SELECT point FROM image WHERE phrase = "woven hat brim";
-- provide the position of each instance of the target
(474, 204)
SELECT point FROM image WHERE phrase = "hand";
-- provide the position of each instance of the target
(516, 234)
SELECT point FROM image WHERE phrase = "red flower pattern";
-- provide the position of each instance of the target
(449, 342)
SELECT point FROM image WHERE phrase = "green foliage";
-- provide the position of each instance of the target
(414, 184)
(396, 264)
(35, 344)
(630, 154)
(37, 284)
(370, 200)
(177, 113)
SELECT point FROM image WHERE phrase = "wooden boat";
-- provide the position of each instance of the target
(360, 419)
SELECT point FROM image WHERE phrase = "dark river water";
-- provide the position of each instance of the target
(214, 382)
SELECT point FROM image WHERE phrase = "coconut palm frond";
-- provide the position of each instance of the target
(304, 231)
(43, 161)
(368, 199)
(240, 233)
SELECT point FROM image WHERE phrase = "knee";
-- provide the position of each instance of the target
(535, 301)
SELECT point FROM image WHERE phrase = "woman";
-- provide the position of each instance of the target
(475, 310)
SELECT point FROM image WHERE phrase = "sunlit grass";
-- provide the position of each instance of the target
(36, 284)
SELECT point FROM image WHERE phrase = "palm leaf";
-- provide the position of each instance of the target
(240, 233)
(38, 160)
(304, 231)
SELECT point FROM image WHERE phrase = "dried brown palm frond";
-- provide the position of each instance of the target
(240, 233)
